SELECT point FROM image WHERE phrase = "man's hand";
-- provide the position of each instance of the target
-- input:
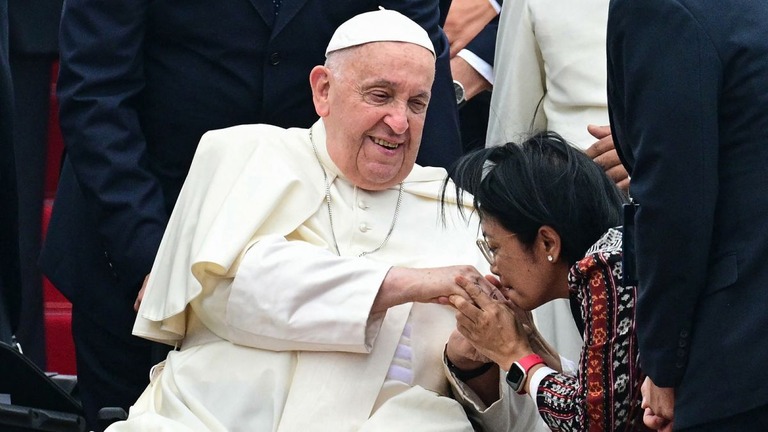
(137, 303)
(462, 354)
(603, 152)
(423, 285)
(465, 20)
(470, 78)
(659, 405)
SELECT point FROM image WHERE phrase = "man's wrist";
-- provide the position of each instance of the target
(467, 373)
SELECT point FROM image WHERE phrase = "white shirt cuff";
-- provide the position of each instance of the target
(481, 66)
(536, 378)
(495, 5)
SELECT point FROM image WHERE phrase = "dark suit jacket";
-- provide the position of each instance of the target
(10, 294)
(34, 26)
(484, 43)
(688, 96)
(141, 81)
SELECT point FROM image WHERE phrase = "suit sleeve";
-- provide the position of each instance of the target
(664, 103)
(101, 76)
(484, 44)
(440, 143)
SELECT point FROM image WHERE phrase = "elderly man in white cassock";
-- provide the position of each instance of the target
(304, 274)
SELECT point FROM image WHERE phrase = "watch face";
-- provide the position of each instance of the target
(515, 377)
(459, 89)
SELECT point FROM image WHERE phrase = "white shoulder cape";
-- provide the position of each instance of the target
(245, 182)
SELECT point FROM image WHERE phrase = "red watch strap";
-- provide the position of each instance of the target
(529, 361)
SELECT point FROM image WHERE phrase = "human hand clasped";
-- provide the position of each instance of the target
(494, 326)
(423, 285)
(659, 405)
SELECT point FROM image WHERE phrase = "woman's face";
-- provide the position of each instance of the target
(527, 277)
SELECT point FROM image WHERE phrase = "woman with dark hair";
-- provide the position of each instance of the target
(548, 216)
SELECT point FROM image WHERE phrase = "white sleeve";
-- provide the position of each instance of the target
(519, 78)
(291, 295)
(481, 66)
(510, 413)
(495, 5)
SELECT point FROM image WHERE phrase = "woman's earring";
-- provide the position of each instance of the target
(549, 258)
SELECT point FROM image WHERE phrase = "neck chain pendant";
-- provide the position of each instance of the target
(330, 212)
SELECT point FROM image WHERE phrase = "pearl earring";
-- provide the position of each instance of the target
(549, 258)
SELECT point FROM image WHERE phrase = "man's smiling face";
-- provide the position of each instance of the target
(373, 105)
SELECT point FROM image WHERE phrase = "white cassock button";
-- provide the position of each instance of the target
(362, 205)
(364, 227)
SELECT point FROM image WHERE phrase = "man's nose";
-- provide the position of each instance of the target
(397, 118)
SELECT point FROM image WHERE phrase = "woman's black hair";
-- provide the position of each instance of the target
(543, 181)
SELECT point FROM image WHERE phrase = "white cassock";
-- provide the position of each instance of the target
(274, 327)
(550, 73)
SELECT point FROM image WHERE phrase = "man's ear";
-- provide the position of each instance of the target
(320, 81)
(549, 243)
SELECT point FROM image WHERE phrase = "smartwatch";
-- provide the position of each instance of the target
(519, 371)
(461, 97)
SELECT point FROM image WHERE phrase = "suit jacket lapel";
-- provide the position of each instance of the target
(288, 10)
(265, 9)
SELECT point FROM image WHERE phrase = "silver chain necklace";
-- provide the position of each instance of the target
(330, 212)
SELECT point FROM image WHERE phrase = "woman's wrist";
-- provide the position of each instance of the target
(516, 356)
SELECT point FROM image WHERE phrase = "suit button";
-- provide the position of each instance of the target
(683, 333)
(681, 343)
(274, 59)
(680, 364)
(681, 353)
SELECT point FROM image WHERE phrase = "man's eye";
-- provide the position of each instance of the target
(418, 106)
(377, 97)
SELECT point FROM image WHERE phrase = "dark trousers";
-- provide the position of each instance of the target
(31, 84)
(112, 371)
(473, 122)
(753, 420)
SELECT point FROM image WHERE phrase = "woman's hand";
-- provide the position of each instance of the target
(538, 344)
(490, 325)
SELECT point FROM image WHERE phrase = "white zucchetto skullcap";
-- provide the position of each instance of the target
(378, 26)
